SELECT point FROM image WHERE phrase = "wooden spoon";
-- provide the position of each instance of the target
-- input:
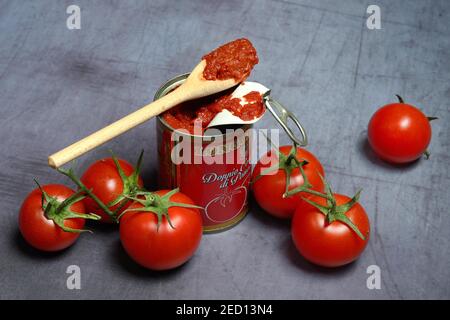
(195, 86)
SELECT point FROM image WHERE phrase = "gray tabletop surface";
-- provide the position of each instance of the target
(320, 60)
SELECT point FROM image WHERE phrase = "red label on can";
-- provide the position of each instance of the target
(217, 177)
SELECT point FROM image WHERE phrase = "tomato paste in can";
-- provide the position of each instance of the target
(217, 173)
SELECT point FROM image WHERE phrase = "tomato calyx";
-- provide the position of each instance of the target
(58, 211)
(130, 187)
(400, 99)
(130, 184)
(157, 204)
(288, 163)
(70, 173)
(426, 153)
(334, 212)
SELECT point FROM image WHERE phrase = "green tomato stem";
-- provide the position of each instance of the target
(71, 175)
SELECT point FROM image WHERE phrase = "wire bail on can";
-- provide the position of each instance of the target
(281, 114)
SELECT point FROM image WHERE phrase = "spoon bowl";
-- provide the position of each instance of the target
(225, 117)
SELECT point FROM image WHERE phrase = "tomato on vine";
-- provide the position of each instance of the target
(161, 230)
(280, 177)
(52, 217)
(109, 183)
(330, 230)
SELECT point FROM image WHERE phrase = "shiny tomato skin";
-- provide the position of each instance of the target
(399, 133)
(42, 233)
(164, 248)
(105, 182)
(329, 245)
(268, 190)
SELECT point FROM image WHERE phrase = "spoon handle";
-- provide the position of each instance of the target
(116, 128)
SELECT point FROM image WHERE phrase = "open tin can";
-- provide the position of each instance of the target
(210, 179)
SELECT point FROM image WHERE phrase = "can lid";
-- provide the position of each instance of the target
(282, 115)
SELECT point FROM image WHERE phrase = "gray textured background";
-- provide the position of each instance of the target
(57, 85)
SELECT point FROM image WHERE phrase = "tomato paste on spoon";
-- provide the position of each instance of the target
(234, 59)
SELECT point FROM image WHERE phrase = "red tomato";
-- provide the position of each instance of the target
(164, 247)
(41, 232)
(104, 179)
(329, 244)
(269, 189)
(399, 133)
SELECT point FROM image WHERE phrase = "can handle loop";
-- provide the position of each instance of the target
(282, 115)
